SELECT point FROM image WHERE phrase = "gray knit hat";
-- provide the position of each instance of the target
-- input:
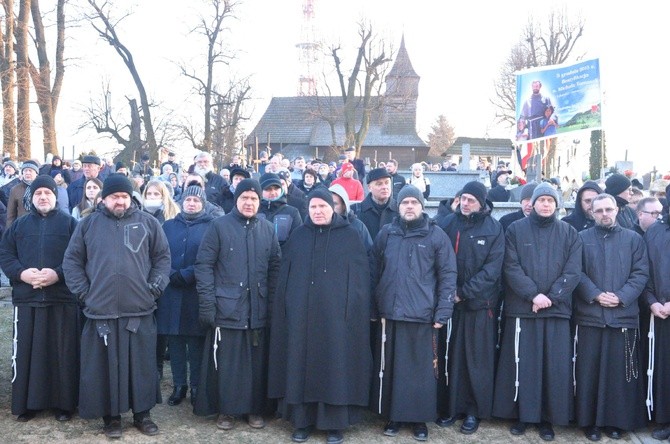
(197, 191)
(527, 191)
(411, 191)
(544, 189)
(32, 165)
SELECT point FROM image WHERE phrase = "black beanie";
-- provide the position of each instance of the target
(248, 185)
(268, 180)
(617, 184)
(116, 183)
(44, 181)
(323, 194)
(476, 189)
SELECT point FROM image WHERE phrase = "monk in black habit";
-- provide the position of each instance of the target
(320, 359)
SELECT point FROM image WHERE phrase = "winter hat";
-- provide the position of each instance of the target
(120, 165)
(239, 172)
(544, 189)
(340, 191)
(617, 184)
(12, 164)
(248, 185)
(410, 191)
(376, 174)
(476, 189)
(527, 191)
(44, 181)
(321, 193)
(197, 191)
(32, 165)
(91, 159)
(346, 166)
(116, 183)
(268, 180)
(55, 172)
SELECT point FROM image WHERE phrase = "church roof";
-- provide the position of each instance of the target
(402, 66)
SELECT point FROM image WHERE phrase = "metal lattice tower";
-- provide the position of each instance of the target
(308, 50)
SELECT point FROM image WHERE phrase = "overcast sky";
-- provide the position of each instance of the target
(456, 47)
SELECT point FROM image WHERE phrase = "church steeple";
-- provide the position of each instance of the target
(402, 92)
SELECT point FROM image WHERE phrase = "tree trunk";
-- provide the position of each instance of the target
(7, 82)
(23, 82)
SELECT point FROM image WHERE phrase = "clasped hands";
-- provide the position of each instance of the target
(39, 278)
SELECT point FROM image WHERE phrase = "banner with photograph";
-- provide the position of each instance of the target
(558, 99)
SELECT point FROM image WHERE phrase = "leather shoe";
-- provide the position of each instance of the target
(613, 432)
(546, 431)
(62, 415)
(256, 421)
(177, 395)
(113, 429)
(470, 425)
(443, 421)
(146, 426)
(301, 435)
(518, 428)
(661, 433)
(420, 431)
(592, 433)
(334, 437)
(225, 422)
(392, 428)
(26, 416)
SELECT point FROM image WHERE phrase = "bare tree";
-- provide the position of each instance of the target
(212, 28)
(23, 82)
(549, 41)
(7, 80)
(362, 84)
(47, 96)
(228, 115)
(108, 32)
(441, 136)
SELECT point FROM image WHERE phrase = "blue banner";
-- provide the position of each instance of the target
(558, 99)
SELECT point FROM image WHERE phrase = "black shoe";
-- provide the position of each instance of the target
(62, 415)
(113, 428)
(420, 431)
(177, 395)
(334, 437)
(613, 432)
(447, 421)
(301, 435)
(392, 428)
(592, 433)
(546, 431)
(146, 426)
(470, 425)
(26, 416)
(661, 433)
(518, 428)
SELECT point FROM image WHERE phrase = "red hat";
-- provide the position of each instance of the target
(347, 166)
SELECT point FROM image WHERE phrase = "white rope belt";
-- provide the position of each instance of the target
(650, 367)
(382, 364)
(217, 339)
(446, 354)
(574, 361)
(15, 343)
(517, 335)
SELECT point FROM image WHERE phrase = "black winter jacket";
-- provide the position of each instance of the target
(657, 239)
(374, 219)
(615, 260)
(36, 241)
(414, 272)
(578, 218)
(542, 255)
(236, 271)
(282, 216)
(111, 261)
(479, 243)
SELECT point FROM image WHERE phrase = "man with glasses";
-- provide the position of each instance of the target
(609, 394)
(648, 211)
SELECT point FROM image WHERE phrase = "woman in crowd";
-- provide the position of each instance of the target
(419, 180)
(309, 178)
(157, 201)
(92, 188)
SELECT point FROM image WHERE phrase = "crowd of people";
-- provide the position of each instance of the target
(296, 294)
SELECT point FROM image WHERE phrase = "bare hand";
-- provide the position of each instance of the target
(30, 276)
(457, 299)
(47, 277)
(608, 299)
(540, 302)
(437, 325)
(659, 310)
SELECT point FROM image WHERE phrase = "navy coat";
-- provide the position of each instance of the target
(177, 312)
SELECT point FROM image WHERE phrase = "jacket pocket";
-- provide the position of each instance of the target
(228, 301)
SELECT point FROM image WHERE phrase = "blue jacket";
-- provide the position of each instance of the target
(177, 312)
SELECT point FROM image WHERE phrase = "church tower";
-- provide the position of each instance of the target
(402, 92)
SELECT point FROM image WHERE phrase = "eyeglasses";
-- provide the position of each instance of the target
(604, 210)
(652, 213)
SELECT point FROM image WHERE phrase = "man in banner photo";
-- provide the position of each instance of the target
(569, 91)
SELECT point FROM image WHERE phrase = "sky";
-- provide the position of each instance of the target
(456, 47)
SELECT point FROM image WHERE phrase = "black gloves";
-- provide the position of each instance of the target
(155, 290)
(207, 317)
(177, 280)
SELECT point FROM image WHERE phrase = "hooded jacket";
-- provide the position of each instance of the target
(542, 255)
(479, 243)
(236, 271)
(414, 272)
(578, 218)
(37, 241)
(615, 260)
(110, 262)
(282, 216)
(349, 215)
